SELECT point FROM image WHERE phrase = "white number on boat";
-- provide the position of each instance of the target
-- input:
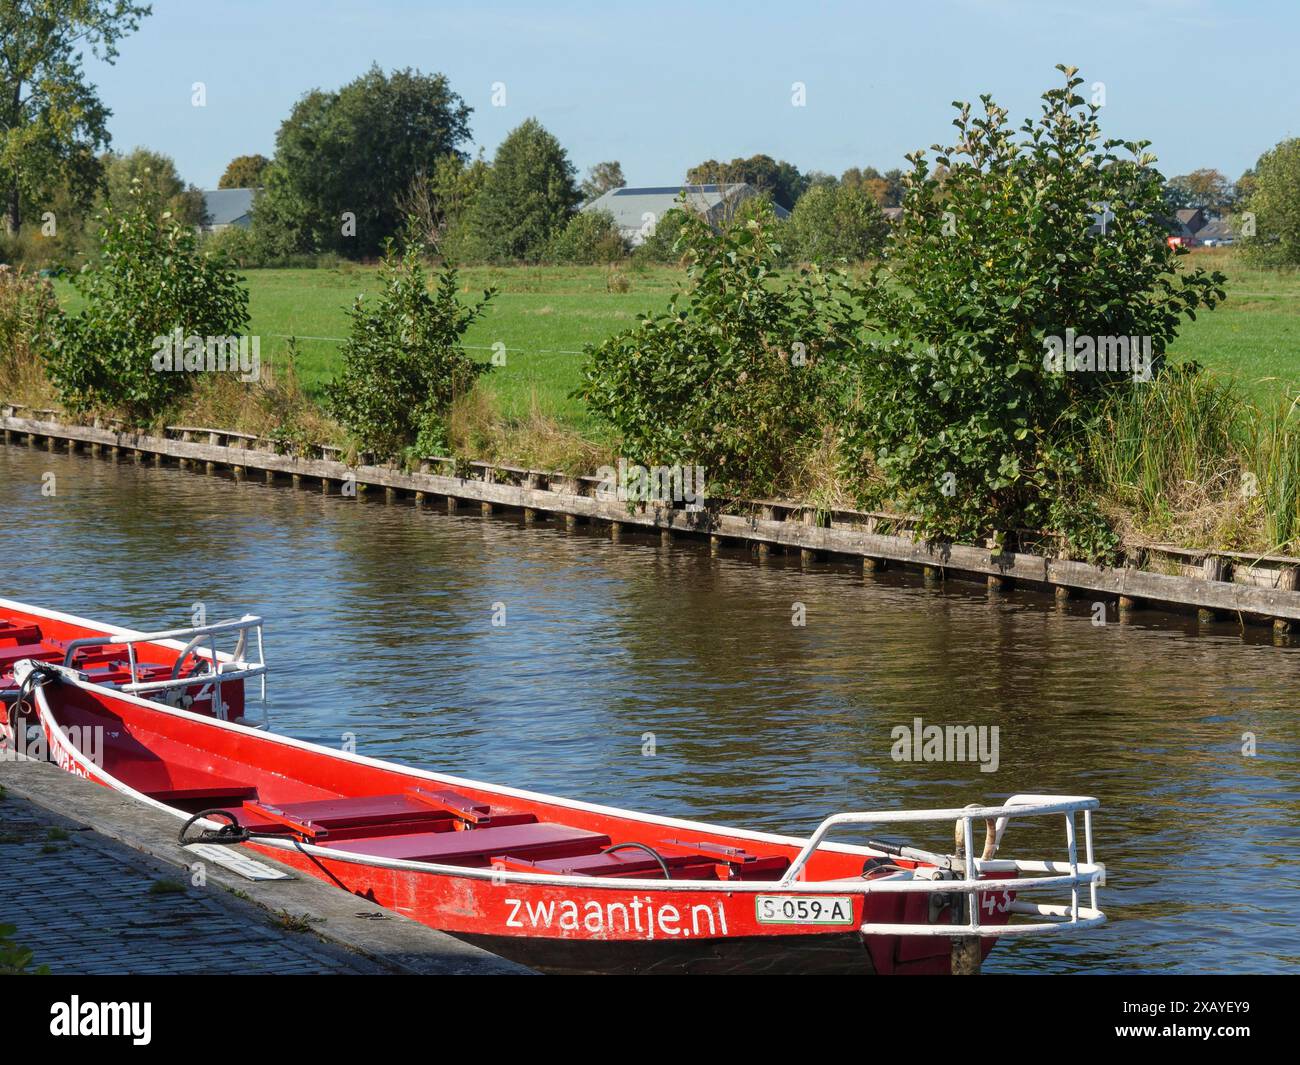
(792, 909)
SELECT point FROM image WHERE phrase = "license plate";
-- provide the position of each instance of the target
(804, 909)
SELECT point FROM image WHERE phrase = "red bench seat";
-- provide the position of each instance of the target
(19, 633)
(478, 846)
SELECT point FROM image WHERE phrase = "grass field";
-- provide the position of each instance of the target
(544, 316)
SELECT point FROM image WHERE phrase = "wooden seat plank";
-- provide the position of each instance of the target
(477, 846)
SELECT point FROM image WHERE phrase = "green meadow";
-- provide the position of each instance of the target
(544, 315)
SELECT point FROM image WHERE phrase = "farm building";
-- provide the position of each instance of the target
(637, 211)
(223, 208)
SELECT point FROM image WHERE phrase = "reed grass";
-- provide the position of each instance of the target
(1189, 459)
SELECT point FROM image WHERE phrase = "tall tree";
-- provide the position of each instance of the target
(527, 195)
(52, 122)
(1275, 204)
(1206, 188)
(780, 180)
(886, 189)
(343, 159)
(244, 172)
(149, 180)
(601, 178)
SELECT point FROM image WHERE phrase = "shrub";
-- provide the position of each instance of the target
(661, 245)
(149, 281)
(970, 428)
(403, 361)
(589, 238)
(237, 245)
(732, 379)
(837, 222)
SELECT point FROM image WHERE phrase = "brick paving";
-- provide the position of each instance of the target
(84, 905)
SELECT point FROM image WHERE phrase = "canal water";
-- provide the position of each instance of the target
(667, 680)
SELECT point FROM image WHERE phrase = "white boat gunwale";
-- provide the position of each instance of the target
(1088, 873)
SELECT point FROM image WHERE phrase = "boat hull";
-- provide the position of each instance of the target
(557, 884)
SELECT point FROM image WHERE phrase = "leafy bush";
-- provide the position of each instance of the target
(1021, 240)
(403, 361)
(732, 377)
(834, 222)
(237, 245)
(663, 244)
(589, 238)
(150, 280)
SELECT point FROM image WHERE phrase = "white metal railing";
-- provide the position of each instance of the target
(1071, 873)
(223, 667)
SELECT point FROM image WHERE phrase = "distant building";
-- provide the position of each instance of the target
(1216, 233)
(223, 208)
(1188, 221)
(637, 211)
(1193, 227)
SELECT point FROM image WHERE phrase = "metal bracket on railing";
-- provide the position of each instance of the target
(974, 871)
(223, 667)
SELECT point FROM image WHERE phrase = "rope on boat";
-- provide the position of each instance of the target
(22, 706)
(227, 835)
(641, 847)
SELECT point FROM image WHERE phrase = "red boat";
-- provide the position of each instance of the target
(559, 885)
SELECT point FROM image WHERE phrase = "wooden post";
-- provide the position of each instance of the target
(806, 554)
(451, 504)
(666, 537)
(390, 494)
(571, 522)
(1213, 569)
(269, 475)
(615, 530)
(530, 515)
(1287, 580)
(296, 479)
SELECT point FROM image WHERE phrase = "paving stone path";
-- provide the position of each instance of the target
(88, 905)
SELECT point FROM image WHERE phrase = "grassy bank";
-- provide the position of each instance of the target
(1211, 462)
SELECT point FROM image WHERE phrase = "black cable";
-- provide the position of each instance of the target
(641, 847)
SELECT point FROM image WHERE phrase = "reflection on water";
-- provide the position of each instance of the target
(380, 625)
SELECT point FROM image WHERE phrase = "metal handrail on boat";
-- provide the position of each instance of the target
(226, 666)
(1071, 873)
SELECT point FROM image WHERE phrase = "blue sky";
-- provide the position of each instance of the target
(661, 86)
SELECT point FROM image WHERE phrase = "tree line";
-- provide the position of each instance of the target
(355, 166)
